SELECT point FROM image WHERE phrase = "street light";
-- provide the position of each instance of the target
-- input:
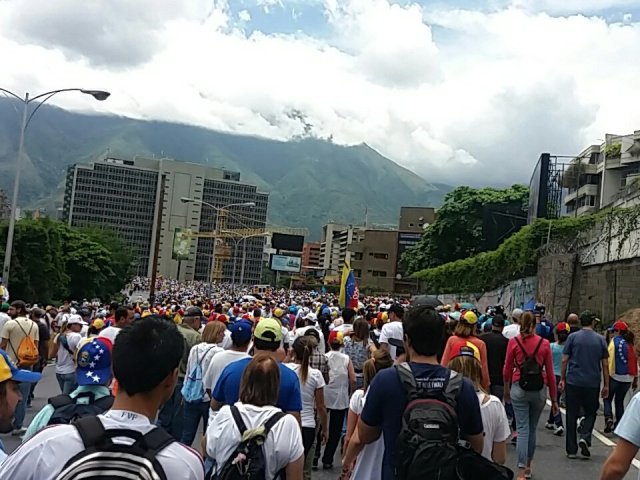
(99, 95)
(218, 210)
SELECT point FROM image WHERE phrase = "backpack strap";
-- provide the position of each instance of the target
(60, 401)
(238, 419)
(453, 388)
(156, 440)
(275, 418)
(526, 355)
(91, 431)
(407, 380)
(105, 403)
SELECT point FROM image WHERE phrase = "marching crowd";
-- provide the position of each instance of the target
(283, 384)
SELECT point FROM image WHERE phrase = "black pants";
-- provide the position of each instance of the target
(336, 421)
(581, 401)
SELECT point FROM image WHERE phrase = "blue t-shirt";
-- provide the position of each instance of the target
(386, 402)
(586, 350)
(227, 390)
(556, 353)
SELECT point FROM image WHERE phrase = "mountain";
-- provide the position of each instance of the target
(310, 181)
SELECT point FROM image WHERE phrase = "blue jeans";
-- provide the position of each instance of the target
(21, 407)
(556, 419)
(581, 401)
(527, 408)
(170, 417)
(617, 392)
(193, 412)
(67, 382)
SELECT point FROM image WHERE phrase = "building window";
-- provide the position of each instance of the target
(379, 256)
(378, 273)
(357, 256)
(357, 273)
(411, 225)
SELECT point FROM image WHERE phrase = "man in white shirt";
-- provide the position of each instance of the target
(393, 329)
(4, 315)
(513, 329)
(123, 316)
(145, 363)
(240, 338)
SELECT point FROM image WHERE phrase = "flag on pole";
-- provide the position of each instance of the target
(349, 293)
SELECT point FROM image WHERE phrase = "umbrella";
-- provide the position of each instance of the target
(425, 301)
(467, 306)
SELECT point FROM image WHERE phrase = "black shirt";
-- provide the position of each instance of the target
(496, 354)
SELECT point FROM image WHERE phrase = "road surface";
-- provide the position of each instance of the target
(550, 461)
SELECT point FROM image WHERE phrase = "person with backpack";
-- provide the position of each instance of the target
(528, 367)
(623, 372)
(440, 392)
(91, 398)
(253, 435)
(196, 399)
(357, 347)
(65, 346)
(20, 337)
(123, 439)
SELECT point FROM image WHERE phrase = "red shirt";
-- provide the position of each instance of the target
(516, 357)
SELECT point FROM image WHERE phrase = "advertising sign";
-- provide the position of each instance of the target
(283, 263)
(181, 244)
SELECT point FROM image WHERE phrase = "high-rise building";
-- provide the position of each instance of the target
(374, 256)
(310, 256)
(123, 195)
(333, 246)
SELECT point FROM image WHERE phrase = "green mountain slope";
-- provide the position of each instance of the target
(310, 181)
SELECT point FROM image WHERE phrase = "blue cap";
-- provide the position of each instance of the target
(94, 362)
(8, 371)
(241, 331)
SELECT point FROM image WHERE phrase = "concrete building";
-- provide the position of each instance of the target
(603, 175)
(413, 221)
(310, 256)
(374, 259)
(123, 195)
(333, 245)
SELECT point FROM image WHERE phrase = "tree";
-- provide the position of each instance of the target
(457, 232)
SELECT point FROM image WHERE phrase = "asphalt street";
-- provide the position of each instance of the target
(550, 461)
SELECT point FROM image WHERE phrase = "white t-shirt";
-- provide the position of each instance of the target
(227, 342)
(203, 353)
(282, 446)
(336, 393)
(308, 393)
(111, 333)
(494, 421)
(217, 365)
(391, 330)
(43, 456)
(65, 362)
(369, 462)
(4, 318)
(301, 331)
(511, 330)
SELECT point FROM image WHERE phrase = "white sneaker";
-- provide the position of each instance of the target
(550, 426)
(558, 432)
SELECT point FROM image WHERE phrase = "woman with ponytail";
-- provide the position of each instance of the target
(368, 458)
(312, 391)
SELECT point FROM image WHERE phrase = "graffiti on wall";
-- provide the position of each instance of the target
(516, 294)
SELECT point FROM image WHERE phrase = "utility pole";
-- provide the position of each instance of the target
(156, 246)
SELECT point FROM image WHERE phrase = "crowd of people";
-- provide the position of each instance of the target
(290, 383)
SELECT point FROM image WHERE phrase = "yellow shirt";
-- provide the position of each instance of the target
(15, 330)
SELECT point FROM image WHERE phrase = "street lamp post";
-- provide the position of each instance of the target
(99, 95)
(218, 210)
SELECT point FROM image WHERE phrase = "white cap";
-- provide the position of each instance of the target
(517, 313)
(75, 320)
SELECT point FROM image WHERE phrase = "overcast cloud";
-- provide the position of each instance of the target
(455, 94)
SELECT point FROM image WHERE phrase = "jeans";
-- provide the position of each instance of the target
(67, 382)
(308, 442)
(527, 407)
(170, 417)
(617, 392)
(581, 401)
(556, 419)
(21, 407)
(193, 413)
(336, 420)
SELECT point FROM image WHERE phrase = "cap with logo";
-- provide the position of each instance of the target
(336, 337)
(268, 330)
(93, 360)
(9, 372)
(241, 331)
(464, 348)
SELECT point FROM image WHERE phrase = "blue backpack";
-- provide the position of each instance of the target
(193, 388)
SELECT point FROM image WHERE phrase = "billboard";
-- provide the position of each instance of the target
(282, 241)
(284, 263)
(181, 244)
(538, 189)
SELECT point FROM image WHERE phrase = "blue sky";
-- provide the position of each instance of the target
(458, 91)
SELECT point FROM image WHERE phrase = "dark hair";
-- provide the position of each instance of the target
(260, 384)
(123, 311)
(562, 336)
(114, 305)
(348, 314)
(312, 332)
(397, 309)
(498, 321)
(257, 313)
(20, 306)
(424, 329)
(586, 318)
(303, 348)
(145, 353)
(264, 345)
(361, 331)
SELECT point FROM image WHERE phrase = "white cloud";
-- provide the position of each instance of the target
(456, 95)
(244, 16)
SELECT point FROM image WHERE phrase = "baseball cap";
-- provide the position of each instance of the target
(94, 362)
(193, 312)
(336, 336)
(9, 372)
(98, 323)
(469, 317)
(268, 330)
(464, 348)
(75, 319)
(241, 332)
(517, 313)
(278, 312)
(619, 326)
(563, 327)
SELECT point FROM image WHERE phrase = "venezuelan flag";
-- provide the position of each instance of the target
(349, 293)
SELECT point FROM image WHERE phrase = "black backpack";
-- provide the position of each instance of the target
(67, 410)
(252, 466)
(429, 443)
(530, 371)
(102, 459)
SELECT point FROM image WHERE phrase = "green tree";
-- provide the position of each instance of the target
(457, 231)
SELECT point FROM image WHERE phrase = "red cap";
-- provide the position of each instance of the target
(223, 319)
(620, 326)
(563, 327)
(336, 337)
(464, 348)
